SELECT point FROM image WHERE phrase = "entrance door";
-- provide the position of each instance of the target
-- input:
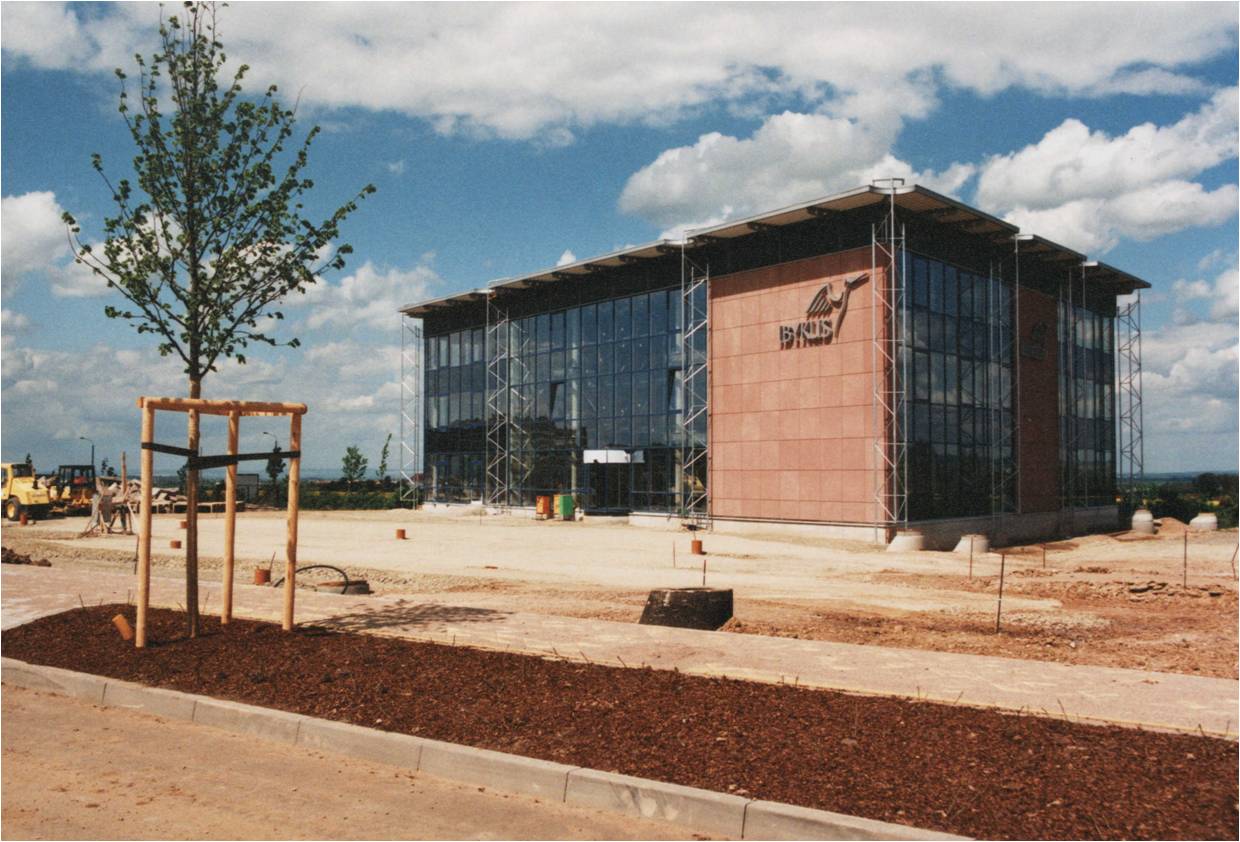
(610, 484)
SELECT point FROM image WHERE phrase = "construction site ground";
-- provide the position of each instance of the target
(1105, 600)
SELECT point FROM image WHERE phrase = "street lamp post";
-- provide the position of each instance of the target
(92, 450)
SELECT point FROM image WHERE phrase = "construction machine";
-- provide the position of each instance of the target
(74, 487)
(21, 492)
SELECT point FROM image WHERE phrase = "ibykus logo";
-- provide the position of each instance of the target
(824, 316)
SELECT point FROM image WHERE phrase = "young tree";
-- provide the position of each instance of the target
(353, 465)
(275, 467)
(210, 236)
(381, 471)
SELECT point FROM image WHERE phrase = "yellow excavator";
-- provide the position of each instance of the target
(21, 493)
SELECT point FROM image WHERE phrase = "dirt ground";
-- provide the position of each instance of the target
(75, 771)
(1102, 600)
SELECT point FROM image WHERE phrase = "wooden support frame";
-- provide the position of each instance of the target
(234, 411)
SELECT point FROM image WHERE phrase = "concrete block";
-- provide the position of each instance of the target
(772, 820)
(699, 809)
(264, 723)
(79, 685)
(494, 769)
(153, 700)
(399, 750)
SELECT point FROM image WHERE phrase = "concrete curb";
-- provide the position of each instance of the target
(698, 810)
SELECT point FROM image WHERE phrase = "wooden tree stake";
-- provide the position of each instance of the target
(191, 531)
(294, 485)
(144, 534)
(1002, 569)
(230, 517)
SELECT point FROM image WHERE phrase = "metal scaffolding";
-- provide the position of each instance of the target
(695, 391)
(890, 362)
(1002, 396)
(1128, 394)
(498, 399)
(412, 408)
(1070, 412)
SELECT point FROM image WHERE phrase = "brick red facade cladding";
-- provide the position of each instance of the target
(1039, 403)
(791, 433)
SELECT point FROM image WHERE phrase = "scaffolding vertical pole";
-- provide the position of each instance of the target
(412, 407)
(1087, 388)
(994, 395)
(520, 403)
(1131, 462)
(695, 390)
(498, 429)
(889, 366)
(1018, 500)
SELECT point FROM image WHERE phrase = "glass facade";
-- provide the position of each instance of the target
(960, 391)
(1087, 405)
(600, 376)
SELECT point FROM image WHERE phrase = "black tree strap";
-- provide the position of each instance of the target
(232, 459)
(196, 462)
(168, 448)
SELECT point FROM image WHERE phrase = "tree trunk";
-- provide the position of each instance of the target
(191, 519)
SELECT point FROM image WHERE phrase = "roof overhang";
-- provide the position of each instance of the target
(913, 199)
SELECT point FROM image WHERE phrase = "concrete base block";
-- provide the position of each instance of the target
(379, 746)
(772, 820)
(167, 703)
(64, 682)
(1143, 522)
(1204, 522)
(495, 769)
(709, 812)
(907, 541)
(265, 723)
(975, 544)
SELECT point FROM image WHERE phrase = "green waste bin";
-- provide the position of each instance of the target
(564, 506)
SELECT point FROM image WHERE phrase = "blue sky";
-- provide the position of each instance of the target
(503, 137)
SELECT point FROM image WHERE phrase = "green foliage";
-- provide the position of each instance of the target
(1185, 499)
(319, 498)
(210, 236)
(353, 465)
(275, 465)
(381, 471)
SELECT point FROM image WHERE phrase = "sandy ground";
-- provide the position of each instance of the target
(75, 771)
(1091, 603)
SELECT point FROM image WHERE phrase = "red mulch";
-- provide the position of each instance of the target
(953, 768)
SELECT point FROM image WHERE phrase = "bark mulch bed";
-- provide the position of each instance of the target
(954, 768)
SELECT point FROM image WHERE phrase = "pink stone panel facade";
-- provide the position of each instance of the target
(790, 425)
(1039, 403)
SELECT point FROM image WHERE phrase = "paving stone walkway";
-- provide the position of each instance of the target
(1122, 696)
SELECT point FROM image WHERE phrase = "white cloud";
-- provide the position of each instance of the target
(543, 71)
(1089, 190)
(13, 322)
(566, 258)
(32, 235)
(1223, 294)
(1189, 377)
(396, 167)
(790, 158)
(1097, 225)
(368, 298)
(1071, 162)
